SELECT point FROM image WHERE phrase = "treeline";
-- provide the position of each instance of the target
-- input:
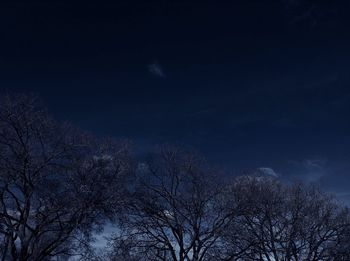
(59, 186)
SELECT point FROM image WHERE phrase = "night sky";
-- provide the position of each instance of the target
(249, 84)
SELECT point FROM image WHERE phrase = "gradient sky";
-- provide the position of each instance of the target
(249, 84)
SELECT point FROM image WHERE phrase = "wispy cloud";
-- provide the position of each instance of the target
(156, 69)
(314, 163)
(310, 170)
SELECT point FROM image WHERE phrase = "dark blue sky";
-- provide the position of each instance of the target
(248, 83)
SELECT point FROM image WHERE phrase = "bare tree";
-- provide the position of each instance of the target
(290, 222)
(57, 184)
(341, 252)
(180, 210)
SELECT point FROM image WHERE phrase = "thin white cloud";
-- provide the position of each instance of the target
(156, 69)
(267, 171)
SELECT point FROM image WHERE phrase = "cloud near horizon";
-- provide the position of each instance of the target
(268, 172)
